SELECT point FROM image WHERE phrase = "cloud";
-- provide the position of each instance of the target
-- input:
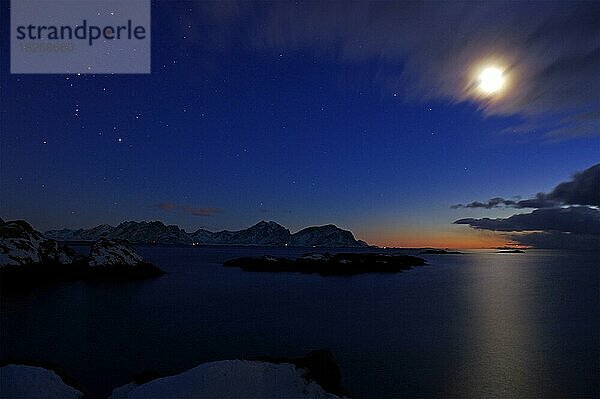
(573, 220)
(166, 206)
(202, 211)
(196, 211)
(583, 189)
(540, 201)
(434, 50)
(489, 204)
(567, 217)
(557, 240)
(577, 125)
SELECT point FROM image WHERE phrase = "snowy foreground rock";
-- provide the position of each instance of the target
(28, 258)
(113, 253)
(30, 382)
(315, 376)
(21, 245)
(229, 379)
(116, 260)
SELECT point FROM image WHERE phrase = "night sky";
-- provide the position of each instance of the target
(307, 114)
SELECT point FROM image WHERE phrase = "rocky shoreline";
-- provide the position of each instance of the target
(27, 259)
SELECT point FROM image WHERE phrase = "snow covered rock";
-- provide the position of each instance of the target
(30, 382)
(106, 252)
(229, 379)
(116, 260)
(27, 258)
(316, 256)
(21, 245)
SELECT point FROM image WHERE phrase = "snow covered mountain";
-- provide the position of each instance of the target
(135, 232)
(261, 234)
(325, 236)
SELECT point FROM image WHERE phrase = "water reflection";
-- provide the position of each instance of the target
(473, 325)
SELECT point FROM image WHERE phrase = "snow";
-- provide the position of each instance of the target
(22, 245)
(24, 382)
(18, 251)
(113, 252)
(315, 256)
(262, 233)
(229, 379)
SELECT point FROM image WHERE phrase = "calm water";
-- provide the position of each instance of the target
(473, 325)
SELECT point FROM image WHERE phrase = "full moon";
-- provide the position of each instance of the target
(491, 80)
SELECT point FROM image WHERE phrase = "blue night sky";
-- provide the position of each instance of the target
(309, 114)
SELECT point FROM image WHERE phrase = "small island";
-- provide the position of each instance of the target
(434, 251)
(28, 258)
(511, 251)
(329, 264)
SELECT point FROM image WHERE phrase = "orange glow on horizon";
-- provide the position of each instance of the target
(470, 239)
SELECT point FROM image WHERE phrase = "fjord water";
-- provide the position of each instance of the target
(479, 324)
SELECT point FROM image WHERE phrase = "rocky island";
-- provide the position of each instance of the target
(28, 258)
(329, 264)
(435, 251)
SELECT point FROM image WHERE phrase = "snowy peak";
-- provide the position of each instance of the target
(263, 233)
(325, 236)
(136, 232)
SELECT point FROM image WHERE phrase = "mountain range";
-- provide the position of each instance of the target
(261, 234)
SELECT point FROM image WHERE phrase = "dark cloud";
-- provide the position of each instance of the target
(583, 189)
(433, 50)
(489, 204)
(540, 201)
(196, 211)
(550, 226)
(556, 240)
(574, 220)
